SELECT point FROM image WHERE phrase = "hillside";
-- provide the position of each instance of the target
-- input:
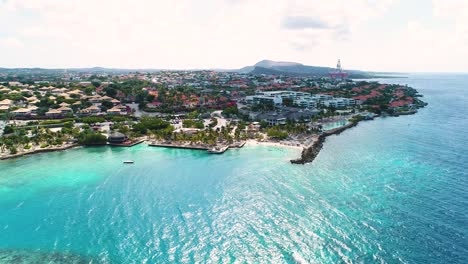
(270, 67)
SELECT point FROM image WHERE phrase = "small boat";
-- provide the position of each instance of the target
(128, 161)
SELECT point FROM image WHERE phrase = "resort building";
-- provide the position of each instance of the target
(339, 102)
(273, 119)
(282, 94)
(274, 97)
(262, 99)
(117, 138)
(306, 102)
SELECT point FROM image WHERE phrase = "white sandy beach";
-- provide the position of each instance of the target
(252, 142)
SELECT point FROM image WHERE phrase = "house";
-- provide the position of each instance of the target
(32, 99)
(65, 110)
(15, 84)
(53, 113)
(6, 102)
(3, 89)
(117, 110)
(75, 93)
(84, 84)
(93, 109)
(154, 104)
(106, 98)
(21, 112)
(115, 102)
(96, 100)
(58, 91)
(253, 127)
(33, 109)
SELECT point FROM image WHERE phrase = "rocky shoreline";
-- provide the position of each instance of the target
(311, 152)
(17, 155)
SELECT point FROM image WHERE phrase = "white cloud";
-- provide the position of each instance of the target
(341, 18)
(214, 33)
(11, 42)
(457, 11)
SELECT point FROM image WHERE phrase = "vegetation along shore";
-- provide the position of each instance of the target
(205, 110)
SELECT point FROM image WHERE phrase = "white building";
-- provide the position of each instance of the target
(339, 102)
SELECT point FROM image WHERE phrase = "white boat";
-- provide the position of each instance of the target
(128, 161)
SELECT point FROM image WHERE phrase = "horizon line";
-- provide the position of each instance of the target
(220, 69)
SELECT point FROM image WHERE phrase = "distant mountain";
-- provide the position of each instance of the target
(262, 70)
(270, 67)
(267, 67)
(275, 64)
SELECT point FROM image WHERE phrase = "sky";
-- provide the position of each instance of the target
(374, 35)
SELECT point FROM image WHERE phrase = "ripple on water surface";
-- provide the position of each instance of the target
(393, 190)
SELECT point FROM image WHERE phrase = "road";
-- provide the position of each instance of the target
(2, 126)
(222, 122)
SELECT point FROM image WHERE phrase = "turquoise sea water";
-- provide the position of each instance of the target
(392, 190)
(333, 125)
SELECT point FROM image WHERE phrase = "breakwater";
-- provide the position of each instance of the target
(310, 152)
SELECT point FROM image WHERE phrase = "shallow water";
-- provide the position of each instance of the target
(333, 125)
(392, 190)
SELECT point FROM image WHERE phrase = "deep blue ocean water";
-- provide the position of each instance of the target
(392, 190)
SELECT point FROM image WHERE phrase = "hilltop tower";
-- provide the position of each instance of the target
(338, 73)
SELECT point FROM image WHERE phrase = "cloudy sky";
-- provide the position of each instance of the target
(381, 35)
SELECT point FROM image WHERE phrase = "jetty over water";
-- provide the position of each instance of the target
(217, 149)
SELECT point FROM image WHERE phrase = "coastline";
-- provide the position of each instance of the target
(252, 142)
(36, 151)
(309, 153)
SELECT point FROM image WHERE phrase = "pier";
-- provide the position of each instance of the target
(217, 149)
